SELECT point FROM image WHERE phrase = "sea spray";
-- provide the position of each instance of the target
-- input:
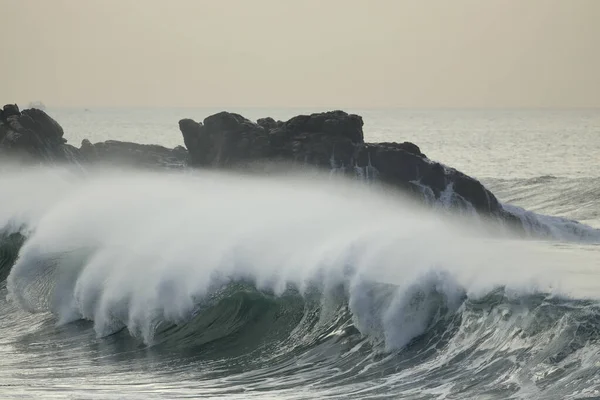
(136, 249)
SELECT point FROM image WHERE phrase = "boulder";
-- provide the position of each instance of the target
(10, 110)
(195, 141)
(269, 123)
(38, 121)
(33, 133)
(224, 139)
(333, 124)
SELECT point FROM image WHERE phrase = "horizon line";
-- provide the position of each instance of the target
(306, 107)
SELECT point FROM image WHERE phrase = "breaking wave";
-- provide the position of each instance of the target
(290, 276)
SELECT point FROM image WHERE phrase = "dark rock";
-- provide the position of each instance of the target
(269, 124)
(435, 178)
(194, 138)
(140, 155)
(473, 191)
(332, 140)
(14, 123)
(10, 244)
(86, 145)
(332, 124)
(9, 110)
(397, 165)
(406, 146)
(411, 148)
(44, 124)
(26, 122)
(225, 139)
(226, 122)
(34, 133)
(328, 139)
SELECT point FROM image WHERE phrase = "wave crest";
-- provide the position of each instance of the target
(144, 251)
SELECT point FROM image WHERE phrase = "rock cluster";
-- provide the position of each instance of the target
(330, 140)
(33, 135)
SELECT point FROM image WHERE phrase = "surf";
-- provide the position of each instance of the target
(261, 275)
(132, 248)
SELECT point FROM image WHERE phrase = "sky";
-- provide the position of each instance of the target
(301, 53)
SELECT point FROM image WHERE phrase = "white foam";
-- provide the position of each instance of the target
(554, 227)
(133, 249)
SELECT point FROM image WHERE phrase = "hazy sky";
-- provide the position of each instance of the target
(287, 53)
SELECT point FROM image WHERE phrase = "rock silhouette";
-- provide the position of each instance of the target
(330, 140)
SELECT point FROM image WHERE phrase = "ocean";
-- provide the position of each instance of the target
(143, 285)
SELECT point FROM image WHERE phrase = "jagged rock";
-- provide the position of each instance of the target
(331, 124)
(86, 146)
(10, 110)
(224, 139)
(33, 133)
(473, 191)
(329, 140)
(227, 122)
(332, 140)
(269, 123)
(194, 138)
(38, 121)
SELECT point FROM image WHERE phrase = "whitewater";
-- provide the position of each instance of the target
(350, 267)
(202, 284)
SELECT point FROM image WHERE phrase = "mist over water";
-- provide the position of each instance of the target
(132, 248)
(273, 283)
(263, 270)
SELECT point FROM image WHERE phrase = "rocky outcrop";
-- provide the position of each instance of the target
(224, 139)
(33, 134)
(332, 140)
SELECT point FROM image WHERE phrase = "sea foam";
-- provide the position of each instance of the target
(136, 249)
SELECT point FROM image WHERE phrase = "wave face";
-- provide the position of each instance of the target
(296, 286)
